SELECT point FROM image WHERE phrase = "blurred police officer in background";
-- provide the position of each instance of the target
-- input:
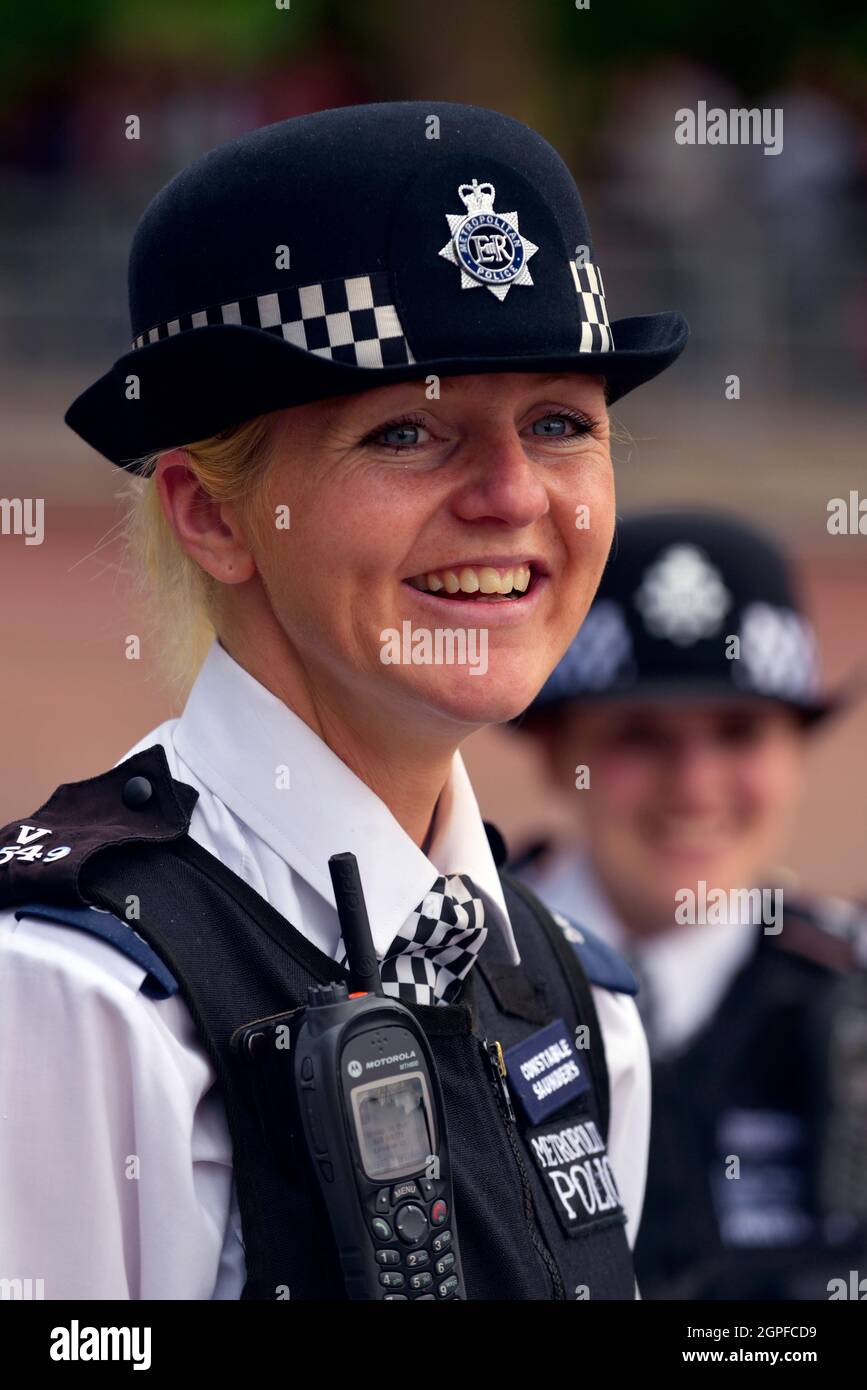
(684, 710)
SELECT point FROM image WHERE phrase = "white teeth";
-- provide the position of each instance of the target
(486, 579)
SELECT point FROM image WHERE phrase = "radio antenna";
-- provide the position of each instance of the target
(354, 923)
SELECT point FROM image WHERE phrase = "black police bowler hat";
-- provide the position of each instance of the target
(348, 249)
(679, 584)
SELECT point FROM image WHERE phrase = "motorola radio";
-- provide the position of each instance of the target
(367, 1113)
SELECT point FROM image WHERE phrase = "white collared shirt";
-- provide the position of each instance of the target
(684, 970)
(114, 1146)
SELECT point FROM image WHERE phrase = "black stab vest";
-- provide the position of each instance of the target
(237, 959)
(754, 1084)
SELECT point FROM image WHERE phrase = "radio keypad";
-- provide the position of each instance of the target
(416, 1212)
(392, 1257)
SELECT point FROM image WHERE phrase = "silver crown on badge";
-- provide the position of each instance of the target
(682, 597)
(486, 245)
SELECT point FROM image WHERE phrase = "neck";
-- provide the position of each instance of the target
(404, 765)
(631, 909)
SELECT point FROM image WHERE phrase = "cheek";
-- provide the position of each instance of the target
(585, 515)
(623, 787)
(585, 505)
(339, 545)
(580, 543)
(766, 784)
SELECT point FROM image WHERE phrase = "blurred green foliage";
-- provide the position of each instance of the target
(754, 44)
(55, 36)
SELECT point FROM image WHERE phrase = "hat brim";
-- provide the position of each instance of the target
(670, 692)
(195, 383)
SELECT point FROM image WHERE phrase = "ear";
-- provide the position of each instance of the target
(206, 529)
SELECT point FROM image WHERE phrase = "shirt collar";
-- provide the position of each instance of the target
(570, 884)
(278, 777)
(676, 958)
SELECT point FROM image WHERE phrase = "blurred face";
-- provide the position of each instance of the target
(683, 792)
(451, 515)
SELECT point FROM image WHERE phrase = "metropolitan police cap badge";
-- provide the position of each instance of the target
(487, 245)
(682, 597)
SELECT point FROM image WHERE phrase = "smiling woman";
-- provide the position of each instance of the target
(397, 434)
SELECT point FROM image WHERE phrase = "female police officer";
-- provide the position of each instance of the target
(386, 329)
(689, 697)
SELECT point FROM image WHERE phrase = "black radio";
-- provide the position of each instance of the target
(368, 1110)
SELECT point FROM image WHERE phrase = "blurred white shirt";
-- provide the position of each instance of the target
(98, 1081)
(684, 971)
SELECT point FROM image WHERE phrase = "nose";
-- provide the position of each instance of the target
(500, 483)
(694, 770)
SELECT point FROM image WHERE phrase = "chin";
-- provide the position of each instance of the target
(476, 699)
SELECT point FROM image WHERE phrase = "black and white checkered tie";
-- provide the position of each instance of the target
(437, 945)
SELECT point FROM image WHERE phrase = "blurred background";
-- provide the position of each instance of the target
(764, 255)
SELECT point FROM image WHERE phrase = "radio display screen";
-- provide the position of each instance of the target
(392, 1124)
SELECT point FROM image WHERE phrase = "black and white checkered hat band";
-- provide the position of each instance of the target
(354, 321)
(596, 333)
(437, 945)
(778, 653)
(347, 320)
(600, 657)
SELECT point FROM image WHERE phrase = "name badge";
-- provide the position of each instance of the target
(545, 1073)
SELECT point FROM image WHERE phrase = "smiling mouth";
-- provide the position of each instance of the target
(485, 583)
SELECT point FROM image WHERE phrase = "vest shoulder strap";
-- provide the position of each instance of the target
(831, 932)
(159, 982)
(602, 965)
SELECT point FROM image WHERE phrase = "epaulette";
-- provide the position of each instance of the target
(829, 931)
(603, 965)
(44, 857)
(159, 982)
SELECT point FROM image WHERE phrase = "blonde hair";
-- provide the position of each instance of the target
(179, 595)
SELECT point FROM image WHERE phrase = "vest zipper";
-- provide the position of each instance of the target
(493, 1053)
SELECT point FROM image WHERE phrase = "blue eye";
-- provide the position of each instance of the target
(553, 426)
(398, 436)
